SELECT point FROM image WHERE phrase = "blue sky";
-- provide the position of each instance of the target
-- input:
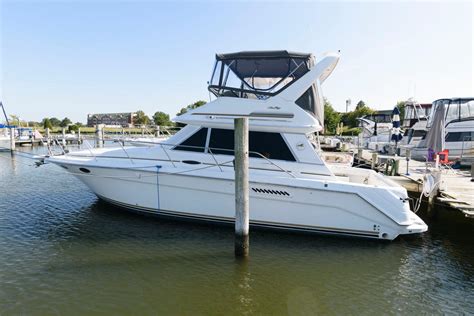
(71, 58)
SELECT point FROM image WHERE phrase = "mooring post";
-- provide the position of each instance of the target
(79, 136)
(408, 157)
(48, 136)
(99, 136)
(375, 160)
(12, 139)
(359, 147)
(64, 137)
(241, 147)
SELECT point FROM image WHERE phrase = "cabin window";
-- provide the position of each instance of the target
(419, 133)
(307, 100)
(196, 142)
(270, 145)
(459, 137)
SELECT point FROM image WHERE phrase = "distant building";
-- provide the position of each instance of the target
(111, 119)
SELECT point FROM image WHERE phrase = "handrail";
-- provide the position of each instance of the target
(167, 155)
(126, 153)
(215, 160)
(90, 149)
(210, 151)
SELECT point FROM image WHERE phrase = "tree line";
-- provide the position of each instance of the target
(349, 119)
(161, 118)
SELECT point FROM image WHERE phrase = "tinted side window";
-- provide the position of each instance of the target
(270, 145)
(195, 142)
(459, 137)
(419, 133)
(306, 100)
(222, 141)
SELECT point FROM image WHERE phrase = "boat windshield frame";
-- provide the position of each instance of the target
(448, 116)
(279, 69)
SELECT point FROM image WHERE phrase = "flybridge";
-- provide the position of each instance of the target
(277, 90)
(259, 74)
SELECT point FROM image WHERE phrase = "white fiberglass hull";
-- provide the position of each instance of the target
(307, 205)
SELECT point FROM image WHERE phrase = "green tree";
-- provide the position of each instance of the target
(141, 118)
(15, 119)
(161, 119)
(79, 124)
(360, 105)
(331, 117)
(65, 122)
(73, 127)
(401, 106)
(55, 121)
(47, 123)
(192, 106)
(34, 124)
(350, 118)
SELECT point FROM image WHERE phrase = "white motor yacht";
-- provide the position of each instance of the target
(457, 117)
(415, 121)
(191, 174)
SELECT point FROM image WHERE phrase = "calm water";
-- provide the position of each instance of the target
(62, 251)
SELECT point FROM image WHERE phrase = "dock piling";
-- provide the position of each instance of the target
(241, 139)
(375, 160)
(48, 136)
(99, 136)
(63, 132)
(12, 139)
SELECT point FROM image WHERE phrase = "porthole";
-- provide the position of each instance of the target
(85, 170)
(191, 162)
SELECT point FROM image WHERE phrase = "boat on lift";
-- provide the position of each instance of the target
(191, 174)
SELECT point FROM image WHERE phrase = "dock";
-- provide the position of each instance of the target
(454, 187)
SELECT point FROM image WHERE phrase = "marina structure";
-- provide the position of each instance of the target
(191, 174)
(111, 119)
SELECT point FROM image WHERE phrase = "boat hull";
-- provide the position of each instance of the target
(288, 207)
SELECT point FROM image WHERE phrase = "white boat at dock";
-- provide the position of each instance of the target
(191, 174)
(454, 131)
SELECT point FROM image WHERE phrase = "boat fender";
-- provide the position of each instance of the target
(428, 184)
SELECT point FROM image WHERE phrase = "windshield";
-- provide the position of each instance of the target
(455, 109)
(256, 76)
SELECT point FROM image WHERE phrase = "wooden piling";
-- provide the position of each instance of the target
(48, 136)
(99, 136)
(375, 160)
(63, 132)
(12, 139)
(79, 141)
(241, 145)
(359, 147)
